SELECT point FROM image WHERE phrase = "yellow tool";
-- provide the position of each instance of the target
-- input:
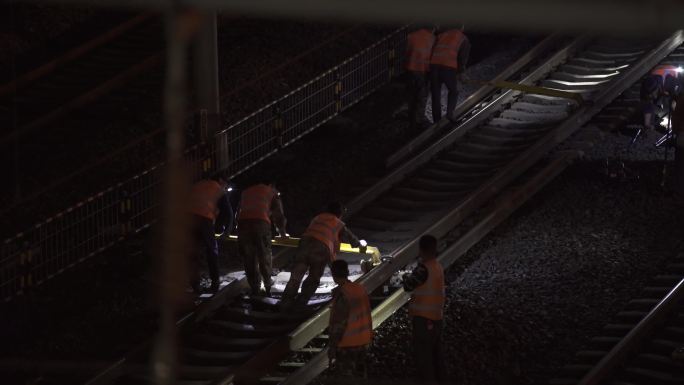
(372, 251)
(576, 96)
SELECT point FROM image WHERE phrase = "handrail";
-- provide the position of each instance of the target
(104, 219)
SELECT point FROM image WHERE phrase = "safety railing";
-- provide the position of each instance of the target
(104, 219)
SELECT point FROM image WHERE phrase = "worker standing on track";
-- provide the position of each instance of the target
(351, 327)
(449, 58)
(318, 247)
(259, 205)
(209, 202)
(418, 51)
(426, 308)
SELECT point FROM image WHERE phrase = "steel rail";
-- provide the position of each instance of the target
(202, 311)
(462, 128)
(504, 206)
(309, 329)
(474, 99)
(635, 338)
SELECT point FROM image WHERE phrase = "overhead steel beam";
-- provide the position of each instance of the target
(530, 15)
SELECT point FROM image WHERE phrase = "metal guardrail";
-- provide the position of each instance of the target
(93, 225)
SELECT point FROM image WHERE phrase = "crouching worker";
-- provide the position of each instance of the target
(351, 327)
(318, 247)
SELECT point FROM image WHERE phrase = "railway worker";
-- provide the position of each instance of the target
(418, 51)
(449, 59)
(318, 247)
(260, 205)
(350, 327)
(426, 308)
(210, 209)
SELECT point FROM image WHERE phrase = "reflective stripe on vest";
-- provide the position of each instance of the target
(326, 228)
(359, 331)
(256, 203)
(427, 300)
(204, 196)
(418, 50)
(446, 48)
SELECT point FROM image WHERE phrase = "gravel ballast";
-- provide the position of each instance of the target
(544, 282)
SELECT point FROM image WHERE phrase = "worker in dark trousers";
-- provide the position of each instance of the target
(317, 248)
(209, 201)
(449, 59)
(426, 308)
(418, 51)
(260, 205)
(350, 327)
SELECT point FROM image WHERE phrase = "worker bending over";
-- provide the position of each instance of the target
(318, 247)
(449, 59)
(351, 327)
(426, 308)
(259, 205)
(209, 202)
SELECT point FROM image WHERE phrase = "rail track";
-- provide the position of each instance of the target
(636, 347)
(460, 187)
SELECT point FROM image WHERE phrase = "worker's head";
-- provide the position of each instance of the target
(428, 247)
(339, 270)
(335, 208)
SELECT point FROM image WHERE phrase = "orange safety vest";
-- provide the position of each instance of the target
(664, 70)
(427, 300)
(256, 202)
(418, 50)
(359, 331)
(446, 48)
(326, 228)
(204, 196)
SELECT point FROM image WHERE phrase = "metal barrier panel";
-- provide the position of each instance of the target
(102, 220)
